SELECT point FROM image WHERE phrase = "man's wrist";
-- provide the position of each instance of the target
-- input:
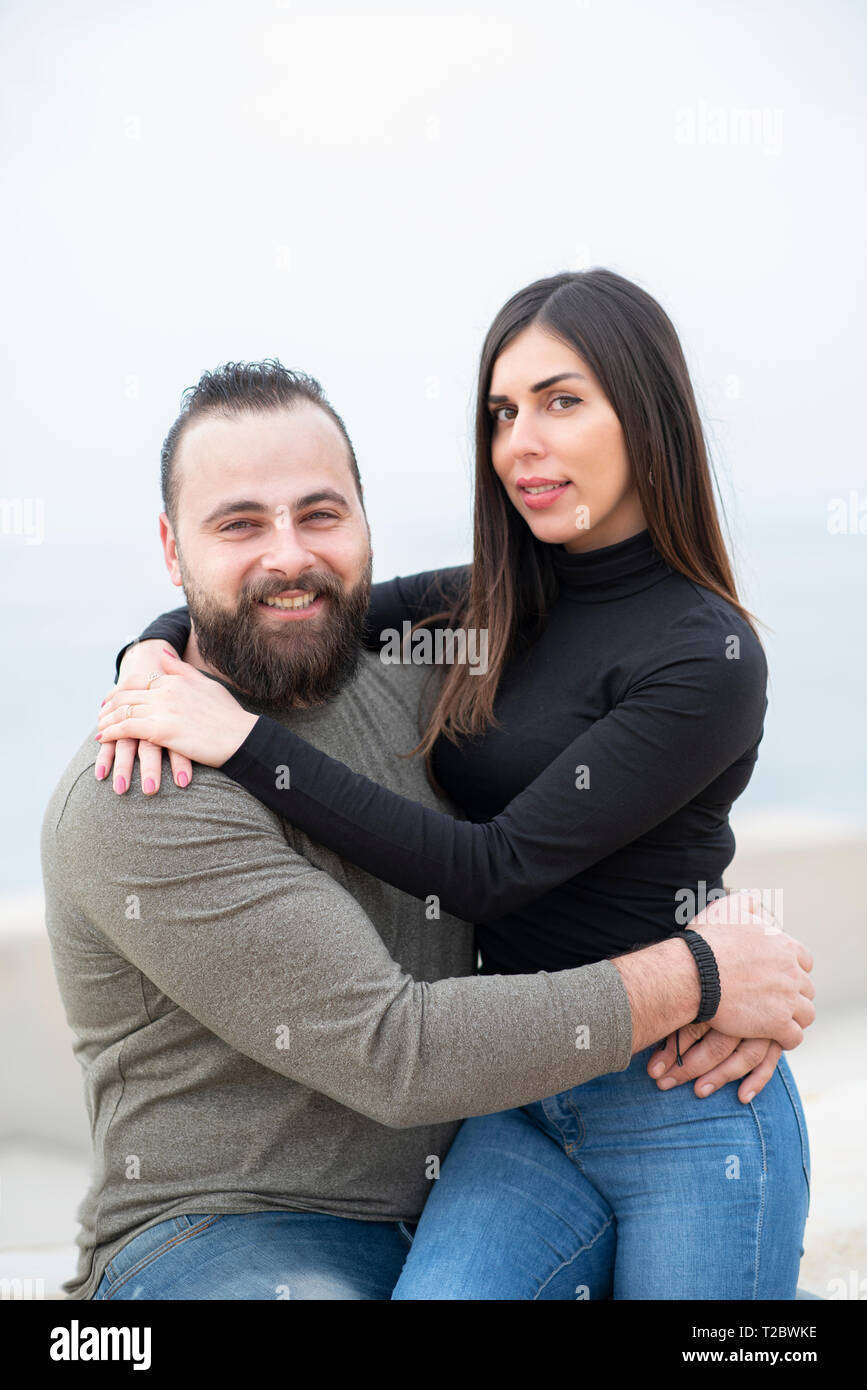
(708, 973)
(663, 987)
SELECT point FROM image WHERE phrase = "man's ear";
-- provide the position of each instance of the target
(170, 549)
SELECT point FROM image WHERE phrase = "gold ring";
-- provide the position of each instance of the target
(129, 711)
(154, 676)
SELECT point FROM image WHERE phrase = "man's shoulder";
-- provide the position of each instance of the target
(77, 775)
(367, 725)
(95, 809)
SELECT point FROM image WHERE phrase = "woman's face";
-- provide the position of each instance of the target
(554, 430)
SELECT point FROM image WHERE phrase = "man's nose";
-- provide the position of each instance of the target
(286, 550)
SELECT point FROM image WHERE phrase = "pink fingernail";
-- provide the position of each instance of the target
(120, 785)
(99, 738)
(150, 785)
(100, 773)
(182, 779)
(103, 702)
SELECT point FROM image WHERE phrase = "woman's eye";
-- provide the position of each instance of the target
(497, 415)
(570, 400)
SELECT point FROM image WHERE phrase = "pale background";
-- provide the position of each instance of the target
(357, 191)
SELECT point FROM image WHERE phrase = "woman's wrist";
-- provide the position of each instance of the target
(241, 727)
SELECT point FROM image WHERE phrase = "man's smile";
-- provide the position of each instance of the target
(293, 605)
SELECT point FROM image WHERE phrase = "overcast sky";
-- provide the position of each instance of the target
(357, 191)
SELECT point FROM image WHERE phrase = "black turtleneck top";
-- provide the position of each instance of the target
(598, 808)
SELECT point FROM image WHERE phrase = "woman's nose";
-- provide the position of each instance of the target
(525, 438)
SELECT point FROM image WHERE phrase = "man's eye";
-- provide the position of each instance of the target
(233, 526)
(329, 516)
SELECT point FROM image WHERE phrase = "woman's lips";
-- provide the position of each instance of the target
(552, 489)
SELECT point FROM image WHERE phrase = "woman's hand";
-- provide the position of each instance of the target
(143, 660)
(715, 1059)
(183, 710)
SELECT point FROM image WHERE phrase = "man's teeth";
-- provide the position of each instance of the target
(304, 601)
(549, 487)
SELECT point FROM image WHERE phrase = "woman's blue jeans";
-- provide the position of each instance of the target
(616, 1189)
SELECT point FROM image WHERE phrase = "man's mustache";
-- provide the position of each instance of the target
(319, 583)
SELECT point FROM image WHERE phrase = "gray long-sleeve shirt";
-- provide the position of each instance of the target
(263, 1026)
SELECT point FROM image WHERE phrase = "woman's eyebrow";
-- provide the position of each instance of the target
(542, 385)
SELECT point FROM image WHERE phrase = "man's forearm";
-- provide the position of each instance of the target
(664, 990)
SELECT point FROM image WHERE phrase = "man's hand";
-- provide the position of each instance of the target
(141, 660)
(715, 1059)
(712, 1056)
(766, 990)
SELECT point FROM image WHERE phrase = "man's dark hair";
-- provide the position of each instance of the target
(243, 388)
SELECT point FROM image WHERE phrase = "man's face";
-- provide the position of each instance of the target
(273, 550)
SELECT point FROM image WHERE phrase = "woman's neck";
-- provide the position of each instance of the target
(625, 521)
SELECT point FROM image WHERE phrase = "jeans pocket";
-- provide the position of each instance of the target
(408, 1230)
(150, 1244)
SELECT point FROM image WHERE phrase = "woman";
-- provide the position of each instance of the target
(596, 758)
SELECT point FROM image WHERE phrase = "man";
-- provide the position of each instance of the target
(277, 1046)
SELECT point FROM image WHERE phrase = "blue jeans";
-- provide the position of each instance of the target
(259, 1255)
(616, 1189)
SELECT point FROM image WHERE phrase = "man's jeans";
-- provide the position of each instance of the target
(611, 1190)
(259, 1255)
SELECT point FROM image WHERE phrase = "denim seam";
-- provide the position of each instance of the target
(801, 1132)
(584, 1248)
(148, 1259)
(554, 1123)
(761, 1216)
(582, 1132)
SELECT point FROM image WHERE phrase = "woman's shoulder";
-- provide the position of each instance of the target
(706, 624)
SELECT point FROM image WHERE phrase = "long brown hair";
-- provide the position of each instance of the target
(631, 346)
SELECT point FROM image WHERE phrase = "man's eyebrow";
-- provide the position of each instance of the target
(245, 504)
(542, 385)
(325, 494)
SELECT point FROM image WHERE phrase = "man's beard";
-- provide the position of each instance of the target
(290, 664)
